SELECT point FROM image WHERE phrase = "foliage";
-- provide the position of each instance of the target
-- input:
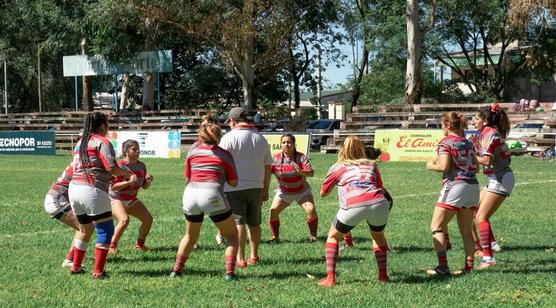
(34, 246)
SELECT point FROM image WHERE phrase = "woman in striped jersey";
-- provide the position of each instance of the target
(290, 168)
(94, 162)
(456, 159)
(56, 203)
(361, 196)
(207, 168)
(123, 196)
(494, 125)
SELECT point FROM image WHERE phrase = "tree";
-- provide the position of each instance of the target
(522, 11)
(244, 32)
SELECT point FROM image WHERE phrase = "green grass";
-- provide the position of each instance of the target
(32, 247)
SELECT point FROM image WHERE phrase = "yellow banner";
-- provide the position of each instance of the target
(301, 143)
(407, 144)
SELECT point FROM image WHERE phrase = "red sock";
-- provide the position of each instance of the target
(100, 260)
(442, 258)
(230, 265)
(274, 228)
(78, 256)
(69, 256)
(381, 256)
(348, 239)
(313, 224)
(180, 261)
(484, 234)
(140, 242)
(113, 244)
(469, 261)
(331, 251)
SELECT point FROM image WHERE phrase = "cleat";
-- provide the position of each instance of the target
(175, 274)
(101, 275)
(462, 272)
(241, 264)
(313, 239)
(439, 271)
(326, 282)
(478, 253)
(80, 271)
(220, 240)
(142, 248)
(253, 261)
(274, 240)
(231, 278)
(196, 246)
(495, 247)
(486, 264)
(67, 263)
(113, 250)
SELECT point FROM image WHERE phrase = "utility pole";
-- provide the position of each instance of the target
(319, 84)
(39, 76)
(6, 85)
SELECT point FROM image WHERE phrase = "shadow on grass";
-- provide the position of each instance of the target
(199, 247)
(309, 260)
(166, 272)
(527, 247)
(415, 279)
(136, 258)
(409, 249)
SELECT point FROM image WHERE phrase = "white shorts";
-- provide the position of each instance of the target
(501, 184)
(375, 214)
(90, 201)
(198, 201)
(303, 196)
(458, 195)
(56, 204)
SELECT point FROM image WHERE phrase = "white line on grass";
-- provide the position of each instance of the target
(7, 236)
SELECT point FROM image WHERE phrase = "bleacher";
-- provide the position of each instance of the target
(365, 119)
(68, 125)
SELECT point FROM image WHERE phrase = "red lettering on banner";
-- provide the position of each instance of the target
(405, 142)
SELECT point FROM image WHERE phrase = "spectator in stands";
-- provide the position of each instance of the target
(494, 125)
(207, 168)
(56, 203)
(93, 163)
(290, 168)
(456, 160)
(123, 196)
(253, 161)
(359, 200)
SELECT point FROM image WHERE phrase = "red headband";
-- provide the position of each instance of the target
(494, 107)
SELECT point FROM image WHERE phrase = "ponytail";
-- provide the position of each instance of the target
(495, 116)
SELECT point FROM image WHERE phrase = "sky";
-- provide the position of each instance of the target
(334, 75)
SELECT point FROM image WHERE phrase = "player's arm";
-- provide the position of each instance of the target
(442, 164)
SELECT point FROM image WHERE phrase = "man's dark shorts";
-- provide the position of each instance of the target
(246, 206)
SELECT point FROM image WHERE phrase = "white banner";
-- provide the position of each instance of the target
(160, 144)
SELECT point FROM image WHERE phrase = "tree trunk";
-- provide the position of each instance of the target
(125, 92)
(149, 78)
(87, 96)
(246, 73)
(356, 92)
(413, 86)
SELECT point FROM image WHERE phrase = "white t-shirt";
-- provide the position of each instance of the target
(251, 153)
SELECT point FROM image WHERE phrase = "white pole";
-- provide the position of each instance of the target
(39, 76)
(6, 86)
(319, 84)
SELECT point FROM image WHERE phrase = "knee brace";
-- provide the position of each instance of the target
(105, 230)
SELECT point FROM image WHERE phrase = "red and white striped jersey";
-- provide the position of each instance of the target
(130, 192)
(494, 144)
(209, 166)
(101, 158)
(62, 183)
(358, 184)
(463, 159)
(289, 181)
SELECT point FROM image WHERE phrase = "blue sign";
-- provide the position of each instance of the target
(28, 142)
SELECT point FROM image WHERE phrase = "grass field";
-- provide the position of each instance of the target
(33, 247)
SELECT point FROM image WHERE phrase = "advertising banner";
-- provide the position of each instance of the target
(160, 144)
(302, 143)
(28, 142)
(407, 144)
